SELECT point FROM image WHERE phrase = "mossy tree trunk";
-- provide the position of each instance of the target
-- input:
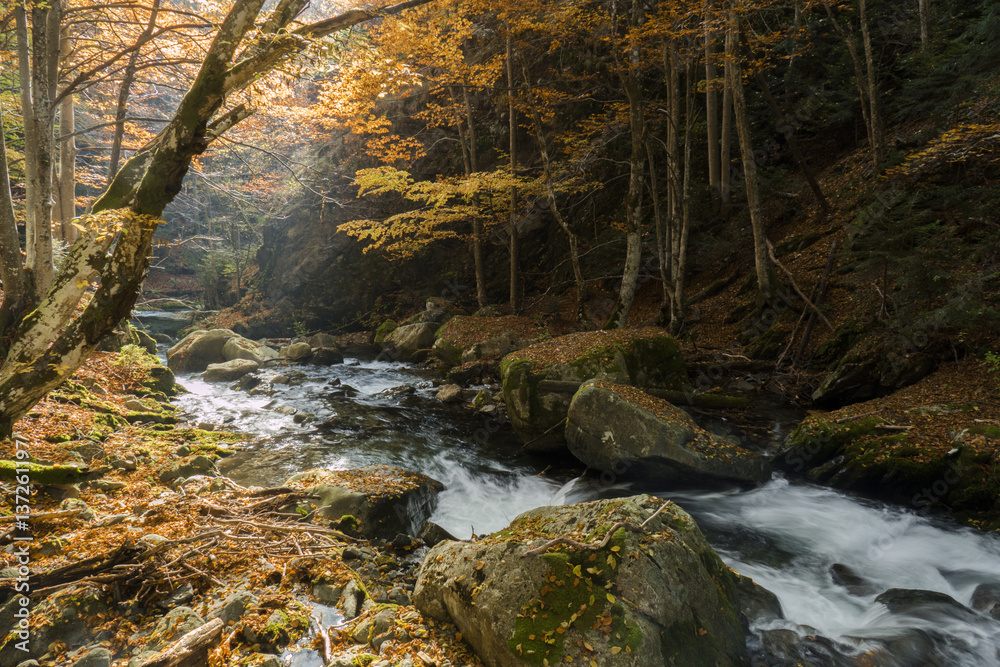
(49, 344)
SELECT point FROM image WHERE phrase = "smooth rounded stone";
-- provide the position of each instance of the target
(322, 340)
(855, 584)
(285, 410)
(135, 405)
(151, 540)
(86, 513)
(354, 600)
(327, 593)
(385, 500)
(326, 356)
(229, 370)
(757, 603)
(96, 657)
(986, 598)
(790, 648)
(163, 339)
(923, 604)
(189, 466)
(243, 348)
(404, 342)
(297, 351)
(450, 393)
(303, 417)
(622, 431)
(234, 607)
(507, 603)
(640, 357)
(198, 349)
(248, 382)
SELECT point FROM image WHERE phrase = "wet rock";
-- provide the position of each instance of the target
(385, 500)
(788, 648)
(447, 351)
(468, 373)
(64, 616)
(757, 604)
(855, 584)
(326, 356)
(620, 430)
(248, 382)
(923, 604)
(506, 604)
(431, 534)
(296, 351)
(450, 393)
(403, 342)
(244, 348)
(986, 598)
(354, 600)
(229, 370)
(198, 349)
(641, 357)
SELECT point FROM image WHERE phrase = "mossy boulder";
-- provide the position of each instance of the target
(385, 500)
(622, 431)
(198, 349)
(127, 335)
(869, 456)
(384, 330)
(71, 615)
(636, 357)
(655, 596)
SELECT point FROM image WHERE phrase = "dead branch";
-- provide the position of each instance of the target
(795, 286)
(585, 546)
(191, 649)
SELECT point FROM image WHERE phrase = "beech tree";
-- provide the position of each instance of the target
(105, 268)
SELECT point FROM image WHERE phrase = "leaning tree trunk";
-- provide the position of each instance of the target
(50, 344)
(515, 270)
(878, 134)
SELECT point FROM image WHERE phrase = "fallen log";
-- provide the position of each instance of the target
(191, 650)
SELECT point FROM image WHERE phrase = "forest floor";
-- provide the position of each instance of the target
(123, 559)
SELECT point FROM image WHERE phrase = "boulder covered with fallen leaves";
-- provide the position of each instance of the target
(198, 349)
(629, 581)
(637, 357)
(384, 500)
(624, 431)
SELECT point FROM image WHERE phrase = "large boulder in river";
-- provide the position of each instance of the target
(539, 381)
(229, 371)
(405, 340)
(243, 348)
(198, 349)
(385, 500)
(626, 432)
(651, 595)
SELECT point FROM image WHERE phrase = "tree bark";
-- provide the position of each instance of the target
(477, 221)
(629, 75)
(859, 76)
(712, 107)
(726, 139)
(11, 263)
(66, 200)
(875, 113)
(515, 269)
(743, 131)
(925, 23)
(574, 251)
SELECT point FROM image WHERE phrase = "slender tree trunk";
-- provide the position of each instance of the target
(743, 131)
(515, 270)
(793, 143)
(477, 221)
(66, 200)
(876, 115)
(662, 234)
(678, 309)
(28, 117)
(712, 107)
(629, 75)
(39, 135)
(859, 76)
(925, 23)
(726, 140)
(11, 262)
(571, 237)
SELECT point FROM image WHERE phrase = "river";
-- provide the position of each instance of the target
(826, 555)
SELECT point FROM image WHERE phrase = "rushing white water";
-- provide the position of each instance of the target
(826, 556)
